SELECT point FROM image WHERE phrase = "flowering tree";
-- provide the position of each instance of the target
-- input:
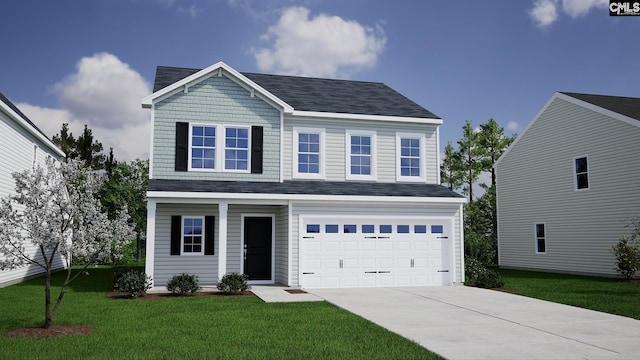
(56, 210)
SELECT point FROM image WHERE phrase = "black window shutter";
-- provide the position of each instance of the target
(209, 227)
(256, 149)
(176, 234)
(182, 143)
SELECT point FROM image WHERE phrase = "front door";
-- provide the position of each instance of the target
(258, 234)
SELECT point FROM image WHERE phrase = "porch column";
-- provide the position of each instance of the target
(151, 238)
(223, 207)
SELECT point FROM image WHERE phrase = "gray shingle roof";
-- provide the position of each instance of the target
(304, 188)
(320, 95)
(627, 106)
(8, 102)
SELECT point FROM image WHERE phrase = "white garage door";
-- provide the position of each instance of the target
(371, 253)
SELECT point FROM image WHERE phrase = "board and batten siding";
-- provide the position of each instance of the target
(20, 151)
(215, 100)
(363, 210)
(335, 137)
(536, 185)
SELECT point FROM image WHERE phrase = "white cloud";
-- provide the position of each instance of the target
(513, 126)
(545, 12)
(321, 46)
(105, 94)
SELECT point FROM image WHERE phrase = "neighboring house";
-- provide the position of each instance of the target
(297, 181)
(568, 182)
(22, 146)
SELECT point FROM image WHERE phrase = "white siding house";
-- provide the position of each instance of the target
(22, 146)
(567, 183)
(298, 181)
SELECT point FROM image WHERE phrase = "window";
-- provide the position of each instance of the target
(236, 149)
(331, 228)
(350, 229)
(409, 157)
(420, 229)
(386, 229)
(581, 173)
(361, 155)
(193, 235)
(368, 229)
(203, 147)
(308, 153)
(313, 228)
(437, 229)
(403, 229)
(541, 239)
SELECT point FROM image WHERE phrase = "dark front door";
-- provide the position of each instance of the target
(257, 247)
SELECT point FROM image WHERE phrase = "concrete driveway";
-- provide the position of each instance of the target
(461, 322)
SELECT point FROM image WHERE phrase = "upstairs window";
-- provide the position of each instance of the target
(361, 155)
(203, 147)
(236, 149)
(541, 239)
(581, 173)
(308, 153)
(409, 157)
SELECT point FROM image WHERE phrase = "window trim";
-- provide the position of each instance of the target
(348, 134)
(422, 139)
(535, 237)
(203, 244)
(575, 174)
(220, 148)
(296, 138)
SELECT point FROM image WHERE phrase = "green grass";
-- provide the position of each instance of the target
(191, 328)
(612, 296)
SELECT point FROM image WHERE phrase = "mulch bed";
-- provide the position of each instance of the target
(53, 331)
(112, 294)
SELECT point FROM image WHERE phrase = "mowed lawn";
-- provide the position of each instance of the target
(613, 296)
(213, 327)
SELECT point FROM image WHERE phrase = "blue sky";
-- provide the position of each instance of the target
(93, 61)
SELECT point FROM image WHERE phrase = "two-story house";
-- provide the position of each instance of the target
(567, 184)
(305, 182)
(23, 146)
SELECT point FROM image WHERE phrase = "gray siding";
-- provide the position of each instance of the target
(282, 246)
(536, 185)
(373, 209)
(386, 146)
(17, 150)
(216, 100)
(167, 265)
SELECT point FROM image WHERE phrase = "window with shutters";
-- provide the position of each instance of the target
(206, 147)
(193, 235)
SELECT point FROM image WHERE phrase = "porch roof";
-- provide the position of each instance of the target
(293, 187)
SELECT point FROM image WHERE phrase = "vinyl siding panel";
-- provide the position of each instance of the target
(215, 100)
(335, 137)
(536, 185)
(282, 246)
(18, 149)
(166, 265)
(373, 209)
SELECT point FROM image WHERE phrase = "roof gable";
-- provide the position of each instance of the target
(625, 109)
(19, 117)
(318, 95)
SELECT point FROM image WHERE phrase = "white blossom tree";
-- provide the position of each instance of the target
(56, 209)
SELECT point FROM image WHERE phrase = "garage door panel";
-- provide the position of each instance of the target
(356, 259)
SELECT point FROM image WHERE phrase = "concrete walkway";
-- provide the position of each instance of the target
(276, 293)
(461, 322)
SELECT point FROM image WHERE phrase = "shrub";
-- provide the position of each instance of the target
(183, 284)
(233, 282)
(478, 275)
(133, 283)
(627, 254)
(489, 279)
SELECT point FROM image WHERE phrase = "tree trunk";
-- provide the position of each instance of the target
(48, 317)
(138, 246)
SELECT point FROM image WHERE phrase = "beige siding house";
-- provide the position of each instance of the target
(568, 182)
(304, 182)
(22, 147)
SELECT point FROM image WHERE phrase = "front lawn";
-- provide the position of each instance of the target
(612, 296)
(190, 328)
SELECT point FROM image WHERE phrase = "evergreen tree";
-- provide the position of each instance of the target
(493, 143)
(90, 151)
(471, 158)
(66, 142)
(451, 167)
